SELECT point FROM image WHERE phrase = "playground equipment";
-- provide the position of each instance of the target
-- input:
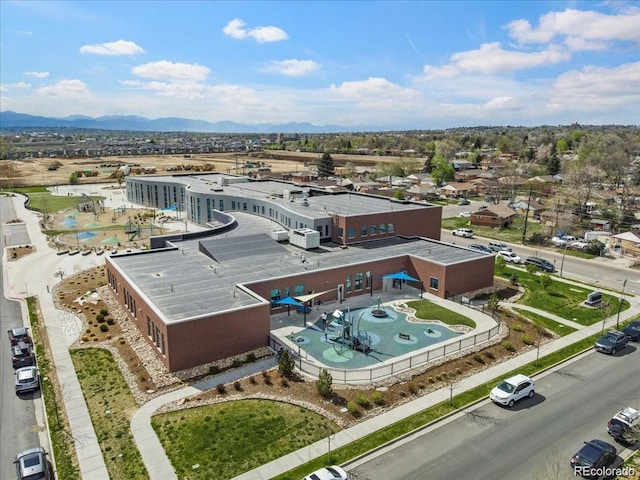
(379, 312)
(345, 339)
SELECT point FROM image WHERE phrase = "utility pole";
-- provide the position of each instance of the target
(526, 216)
(624, 284)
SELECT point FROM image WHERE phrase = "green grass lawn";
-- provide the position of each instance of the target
(546, 322)
(227, 439)
(427, 310)
(562, 299)
(40, 199)
(110, 404)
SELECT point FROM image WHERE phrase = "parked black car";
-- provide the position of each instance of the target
(22, 356)
(633, 331)
(594, 455)
(540, 263)
(611, 342)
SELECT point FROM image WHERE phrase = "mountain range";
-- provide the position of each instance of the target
(9, 119)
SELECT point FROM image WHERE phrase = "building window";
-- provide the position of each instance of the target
(367, 279)
(275, 295)
(298, 290)
(351, 233)
(162, 342)
(157, 339)
(390, 228)
(433, 283)
(363, 231)
(348, 283)
(383, 229)
(373, 230)
(340, 232)
(358, 283)
(149, 327)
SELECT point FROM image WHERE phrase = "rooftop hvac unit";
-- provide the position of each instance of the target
(305, 238)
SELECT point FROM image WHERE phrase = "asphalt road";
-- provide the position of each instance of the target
(537, 436)
(603, 273)
(18, 426)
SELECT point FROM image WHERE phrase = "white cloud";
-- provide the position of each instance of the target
(293, 67)
(581, 29)
(504, 103)
(5, 87)
(37, 74)
(182, 90)
(65, 88)
(491, 58)
(176, 72)
(236, 29)
(117, 48)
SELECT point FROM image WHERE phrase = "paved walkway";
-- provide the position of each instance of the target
(34, 275)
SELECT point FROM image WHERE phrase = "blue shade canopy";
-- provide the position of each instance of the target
(168, 209)
(401, 276)
(288, 301)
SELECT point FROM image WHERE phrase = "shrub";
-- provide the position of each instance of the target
(237, 363)
(412, 388)
(104, 311)
(100, 318)
(214, 370)
(324, 383)
(104, 328)
(517, 328)
(431, 380)
(251, 357)
(458, 371)
(352, 408)
(265, 373)
(363, 401)
(489, 354)
(377, 398)
(237, 385)
(508, 346)
(526, 339)
(252, 380)
(110, 321)
(284, 382)
(286, 364)
(221, 388)
(478, 358)
(514, 279)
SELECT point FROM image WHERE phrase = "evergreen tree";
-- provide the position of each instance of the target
(286, 364)
(324, 383)
(325, 166)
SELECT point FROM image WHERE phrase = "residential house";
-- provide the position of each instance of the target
(627, 243)
(458, 190)
(598, 224)
(530, 208)
(498, 215)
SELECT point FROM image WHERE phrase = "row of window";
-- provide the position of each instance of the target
(278, 293)
(156, 336)
(368, 230)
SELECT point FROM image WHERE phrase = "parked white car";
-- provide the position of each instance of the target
(515, 388)
(510, 256)
(579, 245)
(464, 214)
(463, 232)
(558, 242)
(333, 472)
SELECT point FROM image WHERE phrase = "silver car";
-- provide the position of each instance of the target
(32, 464)
(27, 379)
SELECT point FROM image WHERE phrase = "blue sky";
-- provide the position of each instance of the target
(383, 64)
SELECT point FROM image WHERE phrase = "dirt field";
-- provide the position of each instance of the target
(14, 173)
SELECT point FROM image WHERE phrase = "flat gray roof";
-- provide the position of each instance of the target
(319, 205)
(200, 276)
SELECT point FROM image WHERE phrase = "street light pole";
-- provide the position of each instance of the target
(564, 252)
(624, 284)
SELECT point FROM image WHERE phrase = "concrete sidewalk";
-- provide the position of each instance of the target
(349, 435)
(33, 275)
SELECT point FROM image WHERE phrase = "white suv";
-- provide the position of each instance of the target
(509, 256)
(463, 232)
(512, 389)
